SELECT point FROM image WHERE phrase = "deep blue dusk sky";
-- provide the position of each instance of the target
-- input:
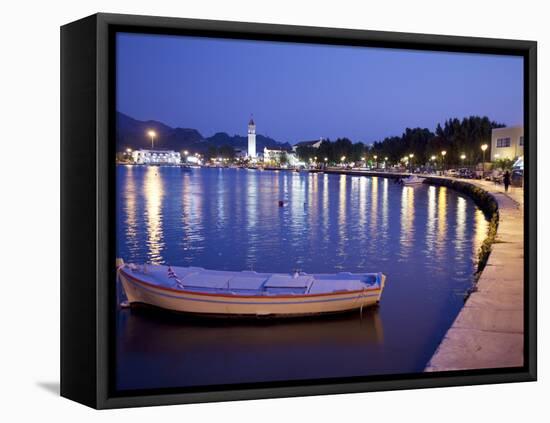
(303, 91)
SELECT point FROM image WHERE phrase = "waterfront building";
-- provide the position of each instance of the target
(294, 161)
(275, 154)
(156, 157)
(313, 143)
(251, 139)
(240, 154)
(507, 143)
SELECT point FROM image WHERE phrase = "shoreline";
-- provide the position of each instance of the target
(488, 332)
(489, 329)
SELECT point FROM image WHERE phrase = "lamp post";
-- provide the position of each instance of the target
(443, 154)
(462, 157)
(410, 162)
(342, 160)
(152, 134)
(483, 148)
(375, 161)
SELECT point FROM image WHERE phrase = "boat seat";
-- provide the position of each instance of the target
(288, 281)
(326, 286)
(246, 283)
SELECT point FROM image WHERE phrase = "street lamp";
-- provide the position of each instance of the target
(342, 160)
(462, 157)
(483, 148)
(410, 162)
(152, 134)
(375, 161)
(443, 153)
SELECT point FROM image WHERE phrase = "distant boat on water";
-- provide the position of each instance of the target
(412, 180)
(248, 293)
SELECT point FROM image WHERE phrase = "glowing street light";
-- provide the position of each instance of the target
(444, 153)
(186, 152)
(483, 148)
(432, 158)
(342, 158)
(326, 159)
(462, 156)
(152, 134)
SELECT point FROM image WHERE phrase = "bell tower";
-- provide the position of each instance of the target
(251, 139)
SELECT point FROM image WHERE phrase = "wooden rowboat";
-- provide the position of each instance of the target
(248, 293)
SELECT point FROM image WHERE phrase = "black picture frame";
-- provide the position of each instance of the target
(87, 207)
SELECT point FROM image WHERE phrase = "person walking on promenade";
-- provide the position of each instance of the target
(506, 180)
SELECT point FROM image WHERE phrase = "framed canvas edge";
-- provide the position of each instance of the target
(105, 399)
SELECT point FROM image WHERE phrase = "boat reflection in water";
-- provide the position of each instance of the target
(424, 238)
(197, 351)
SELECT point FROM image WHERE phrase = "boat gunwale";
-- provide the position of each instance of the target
(267, 297)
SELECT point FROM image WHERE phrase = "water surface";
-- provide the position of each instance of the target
(424, 238)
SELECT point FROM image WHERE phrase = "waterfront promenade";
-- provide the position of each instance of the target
(489, 331)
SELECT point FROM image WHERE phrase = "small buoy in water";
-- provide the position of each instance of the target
(281, 203)
(124, 304)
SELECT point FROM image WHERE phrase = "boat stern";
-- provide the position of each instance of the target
(382, 282)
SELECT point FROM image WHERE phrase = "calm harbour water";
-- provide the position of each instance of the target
(424, 238)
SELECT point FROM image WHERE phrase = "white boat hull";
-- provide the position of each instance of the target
(140, 292)
(412, 181)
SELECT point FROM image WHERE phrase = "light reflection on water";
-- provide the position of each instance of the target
(424, 238)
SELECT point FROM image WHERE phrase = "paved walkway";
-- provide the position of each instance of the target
(488, 331)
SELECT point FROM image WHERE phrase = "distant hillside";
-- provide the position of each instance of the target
(131, 133)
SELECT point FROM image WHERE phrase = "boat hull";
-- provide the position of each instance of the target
(139, 292)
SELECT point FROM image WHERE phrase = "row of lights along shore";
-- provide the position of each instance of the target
(152, 134)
